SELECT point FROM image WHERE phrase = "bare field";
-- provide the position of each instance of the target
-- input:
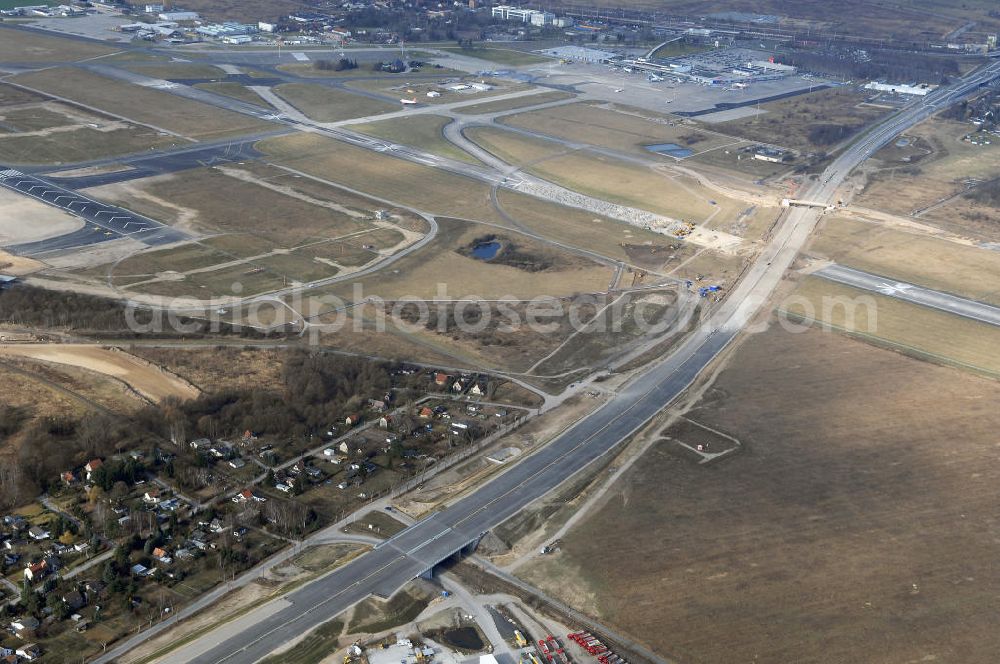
(325, 104)
(148, 381)
(961, 269)
(618, 128)
(32, 47)
(857, 524)
(908, 328)
(797, 122)
(144, 105)
(424, 132)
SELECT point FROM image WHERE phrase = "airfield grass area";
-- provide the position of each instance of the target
(235, 90)
(81, 144)
(814, 121)
(503, 105)
(962, 269)
(907, 328)
(619, 128)
(928, 177)
(175, 70)
(579, 228)
(424, 132)
(253, 242)
(33, 47)
(144, 105)
(34, 130)
(834, 535)
(386, 177)
(445, 261)
(219, 202)
(501, 56)
(418, 88)
(608, 178)
(325, 104)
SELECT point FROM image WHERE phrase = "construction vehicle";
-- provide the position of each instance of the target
(519, 639)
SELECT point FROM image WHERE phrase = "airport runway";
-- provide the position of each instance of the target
(104, 222)
(417, 548)
(901, 290)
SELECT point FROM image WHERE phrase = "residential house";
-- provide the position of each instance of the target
(69, 477)
(201, 444)
(352, 420)
(385, 421)
(74, 600)
(151, 497)
(93, 587)
(38, 533)
(24, 626)
(441, 379)
(478, 389)
(29, 651)
(377, 405)
(458, 386)
(237, 463)
(161, 555)
(425, 413)
(92, 466)
(246, 495)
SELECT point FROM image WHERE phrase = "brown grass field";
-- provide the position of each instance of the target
(144, 105)
(325, 104)
(961, 269)
(32, 47)
(211, 368)
(788, 121)
(933, 170)
(857, 525)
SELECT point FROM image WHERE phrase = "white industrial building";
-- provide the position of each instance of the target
(179, 16)
(533, 16)
(508, 13)
(918, 90)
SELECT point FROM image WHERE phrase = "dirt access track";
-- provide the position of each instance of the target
(147, 379)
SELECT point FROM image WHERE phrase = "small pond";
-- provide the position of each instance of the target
(670, 149)
(463, 638)
(485, 251)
